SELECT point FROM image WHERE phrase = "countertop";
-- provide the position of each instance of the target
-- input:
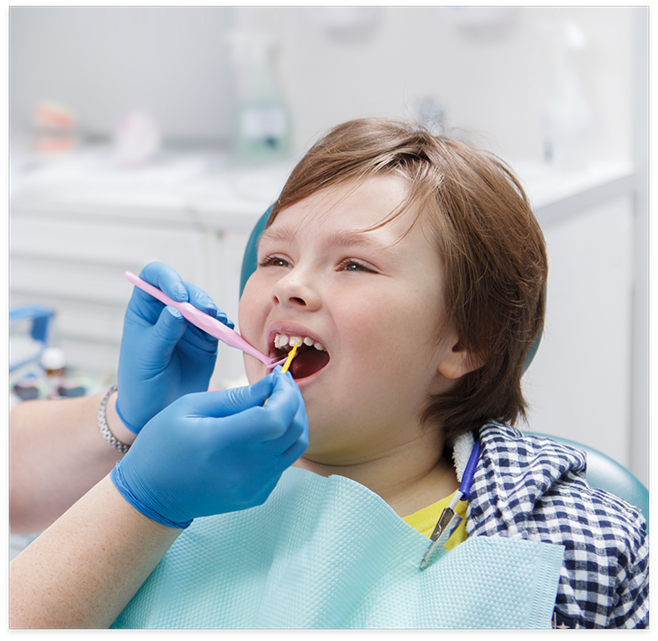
(212, 191)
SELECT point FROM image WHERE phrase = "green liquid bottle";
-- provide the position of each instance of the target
(262, 121)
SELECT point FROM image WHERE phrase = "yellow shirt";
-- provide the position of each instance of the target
(425, 520)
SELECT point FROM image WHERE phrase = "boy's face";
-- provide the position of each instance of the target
(371, 300)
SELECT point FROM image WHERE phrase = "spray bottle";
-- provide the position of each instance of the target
(566, 119)
(262, 122)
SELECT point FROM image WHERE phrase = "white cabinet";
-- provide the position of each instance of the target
(70, 246)
(77, 265)
(579, 383)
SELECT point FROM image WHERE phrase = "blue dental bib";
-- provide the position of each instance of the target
(304, 559)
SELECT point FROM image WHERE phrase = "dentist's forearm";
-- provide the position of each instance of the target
(83, 570)
(56, 454)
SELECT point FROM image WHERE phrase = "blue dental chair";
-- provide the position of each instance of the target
(602, 472)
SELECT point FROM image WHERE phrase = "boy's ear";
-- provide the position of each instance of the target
(458, 361)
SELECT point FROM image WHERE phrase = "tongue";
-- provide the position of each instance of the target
(307, 362)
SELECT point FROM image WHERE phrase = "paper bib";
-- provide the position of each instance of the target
(329, 553)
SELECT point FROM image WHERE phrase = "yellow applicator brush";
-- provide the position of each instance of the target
(286, 365)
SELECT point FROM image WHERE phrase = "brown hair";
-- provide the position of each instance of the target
(491, 244)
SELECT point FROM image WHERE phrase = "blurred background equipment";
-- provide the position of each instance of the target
(262, 127)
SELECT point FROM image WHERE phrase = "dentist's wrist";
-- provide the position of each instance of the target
(114, 423)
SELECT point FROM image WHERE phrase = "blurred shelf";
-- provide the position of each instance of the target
(210, 190)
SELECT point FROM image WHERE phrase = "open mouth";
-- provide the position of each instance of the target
(311, 355)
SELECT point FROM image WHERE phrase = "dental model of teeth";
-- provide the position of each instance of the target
(283, 341)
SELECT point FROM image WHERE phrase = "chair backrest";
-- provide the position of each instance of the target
(606, 474)
(250, 258)
(602, 471)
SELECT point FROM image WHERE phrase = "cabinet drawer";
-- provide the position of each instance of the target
(128, 246)
(43, 278)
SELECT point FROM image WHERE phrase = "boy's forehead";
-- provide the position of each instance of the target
(351, 213)
(339, 237)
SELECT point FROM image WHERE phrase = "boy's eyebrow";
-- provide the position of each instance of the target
(342, 238)
(280, 234)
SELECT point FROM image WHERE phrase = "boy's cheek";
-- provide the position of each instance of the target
(254, 369)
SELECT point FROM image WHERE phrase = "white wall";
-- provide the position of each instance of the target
(640, 374)
(492, 81)
(104, 62)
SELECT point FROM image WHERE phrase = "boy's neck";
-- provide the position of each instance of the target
(406, 488)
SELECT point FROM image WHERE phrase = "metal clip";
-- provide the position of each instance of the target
(446, 525)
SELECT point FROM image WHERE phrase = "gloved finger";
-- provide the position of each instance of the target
(201, 300)
(265, 492)
(298, 431)
(163, 337)
(169, 281)
(282, 407)
(294, 452)
(296, 438)
(257, 424)
(146, 309)
(223, 318)
(225, 403)
(166, 279)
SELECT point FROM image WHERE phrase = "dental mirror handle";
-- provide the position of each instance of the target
(202, 320)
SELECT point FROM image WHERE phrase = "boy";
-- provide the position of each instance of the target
(411, 270)
(486, 293)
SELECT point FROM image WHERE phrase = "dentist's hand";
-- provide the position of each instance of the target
(162, 357)
(215, 452)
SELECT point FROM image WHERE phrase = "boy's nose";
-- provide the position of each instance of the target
(294, 289)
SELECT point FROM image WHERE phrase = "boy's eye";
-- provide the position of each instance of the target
(350, 265)
(273, 261)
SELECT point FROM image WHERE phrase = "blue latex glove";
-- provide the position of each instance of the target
(162, 357)
(215, 452)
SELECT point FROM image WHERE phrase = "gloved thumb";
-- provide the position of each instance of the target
(166, 333)
(223, 403)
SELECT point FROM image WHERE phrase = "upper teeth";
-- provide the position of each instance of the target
(281, 340)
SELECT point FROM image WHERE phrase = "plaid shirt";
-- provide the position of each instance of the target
(534, 488)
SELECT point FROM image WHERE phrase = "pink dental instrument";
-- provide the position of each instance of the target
(205, 322)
